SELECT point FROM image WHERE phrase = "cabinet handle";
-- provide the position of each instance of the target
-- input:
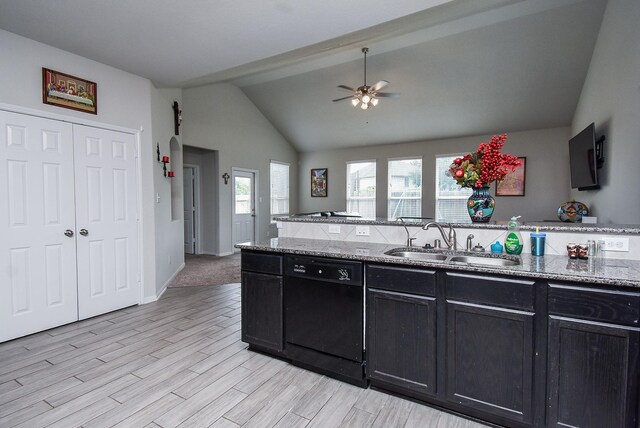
(68, 233)
(84, 232)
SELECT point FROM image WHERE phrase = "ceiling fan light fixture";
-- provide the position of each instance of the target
(365, 95)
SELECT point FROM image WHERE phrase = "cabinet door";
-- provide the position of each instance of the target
(262, 310)
(593, 374)
(490, 359)
(37, 254)
(401, 335)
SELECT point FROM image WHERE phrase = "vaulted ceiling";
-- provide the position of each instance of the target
(463, 67)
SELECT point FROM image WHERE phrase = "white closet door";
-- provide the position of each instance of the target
(105, 169)
(37, 260)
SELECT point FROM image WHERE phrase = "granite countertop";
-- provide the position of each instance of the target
(547, 226)
(612, 272)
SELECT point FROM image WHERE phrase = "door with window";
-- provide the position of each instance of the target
(244, 206)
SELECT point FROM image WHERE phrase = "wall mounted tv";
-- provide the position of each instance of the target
(585, 157)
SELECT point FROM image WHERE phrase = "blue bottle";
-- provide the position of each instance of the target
(496, 248)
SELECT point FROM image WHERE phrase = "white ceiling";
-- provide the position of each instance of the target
(463, 67)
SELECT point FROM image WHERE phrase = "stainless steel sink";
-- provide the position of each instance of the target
(485, 261)
(418, 254)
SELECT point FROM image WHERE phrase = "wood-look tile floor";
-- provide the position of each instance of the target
(180, 362)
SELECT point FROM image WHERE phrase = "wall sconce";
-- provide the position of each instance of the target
(226, 177)
(177, 117)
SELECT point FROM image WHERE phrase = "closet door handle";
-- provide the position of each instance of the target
(84, 232)
(68, 233)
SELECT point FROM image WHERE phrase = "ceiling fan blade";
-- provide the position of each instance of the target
(381, 84)
(388, 94)
(343, 98)
(347, 88)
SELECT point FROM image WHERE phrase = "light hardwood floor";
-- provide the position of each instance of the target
(180, 362)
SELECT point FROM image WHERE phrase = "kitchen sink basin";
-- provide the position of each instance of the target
(417, 255)
(468, 259)
(485, 261)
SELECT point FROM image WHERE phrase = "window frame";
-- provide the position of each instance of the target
(463, 196)
(271, 197)
(420, 198)
(375, 196)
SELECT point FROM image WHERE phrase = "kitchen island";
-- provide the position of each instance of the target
(549, 341)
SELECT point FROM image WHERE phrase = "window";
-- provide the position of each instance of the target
(279, 173)
(451, 199)
(361, 188)
(405, 188)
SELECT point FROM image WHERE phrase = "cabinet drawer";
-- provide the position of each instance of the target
(413, 281)
(610, 306)
(494, 291)
(262, 262)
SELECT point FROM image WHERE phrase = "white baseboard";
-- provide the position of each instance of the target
(159, 293)
(206, 253)
(226, 253)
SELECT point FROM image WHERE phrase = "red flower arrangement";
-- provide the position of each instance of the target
(485, 165)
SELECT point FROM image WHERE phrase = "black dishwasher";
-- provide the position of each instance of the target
(324, 316)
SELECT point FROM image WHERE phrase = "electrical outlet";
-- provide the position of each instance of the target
(278, 224)
(334, 228)
(616, 244)
(362, 251)
(362, 230)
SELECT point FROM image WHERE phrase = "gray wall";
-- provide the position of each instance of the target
(546, 186)
(611, 98)
(207, 160)
(124, 100)
(220, 117)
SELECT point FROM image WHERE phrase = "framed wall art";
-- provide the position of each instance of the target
(319, 182)
(513, 183)
(67, 91)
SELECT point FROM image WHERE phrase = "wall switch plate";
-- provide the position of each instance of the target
(362, 230)
(334, 228)
(362, 251)
(616, 244)
(278, 225)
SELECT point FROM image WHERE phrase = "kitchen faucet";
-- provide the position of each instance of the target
(449, 241)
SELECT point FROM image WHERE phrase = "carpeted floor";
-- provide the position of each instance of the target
(208, 270)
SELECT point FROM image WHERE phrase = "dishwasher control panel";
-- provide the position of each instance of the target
(332, 270)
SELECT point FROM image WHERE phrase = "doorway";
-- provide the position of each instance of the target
(191, 192)
(244, 204)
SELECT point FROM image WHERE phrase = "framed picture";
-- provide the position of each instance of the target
(64, 90)
(319, 182)
(513, 183)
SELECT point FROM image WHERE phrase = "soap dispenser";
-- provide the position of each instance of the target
(513, 241)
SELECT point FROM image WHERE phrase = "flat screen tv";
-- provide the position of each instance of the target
(585, 157)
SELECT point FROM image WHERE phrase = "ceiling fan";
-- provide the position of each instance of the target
(366, 96)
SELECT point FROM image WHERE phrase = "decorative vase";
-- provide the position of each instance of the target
(480, 205)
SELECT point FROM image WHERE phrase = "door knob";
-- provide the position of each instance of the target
(84, 232)
(68, 233)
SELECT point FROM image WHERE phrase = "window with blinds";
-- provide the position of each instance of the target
(451, 199)
(361, 188)
(279, 176)
(404, 198)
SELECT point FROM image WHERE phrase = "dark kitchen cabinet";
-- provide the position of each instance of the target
(491, 346)
(401, 330)
(262, 301)
(593, 357)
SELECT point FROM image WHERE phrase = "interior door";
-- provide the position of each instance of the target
(106, 218)
(37, 225)
(189, 175)
(244, 210)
